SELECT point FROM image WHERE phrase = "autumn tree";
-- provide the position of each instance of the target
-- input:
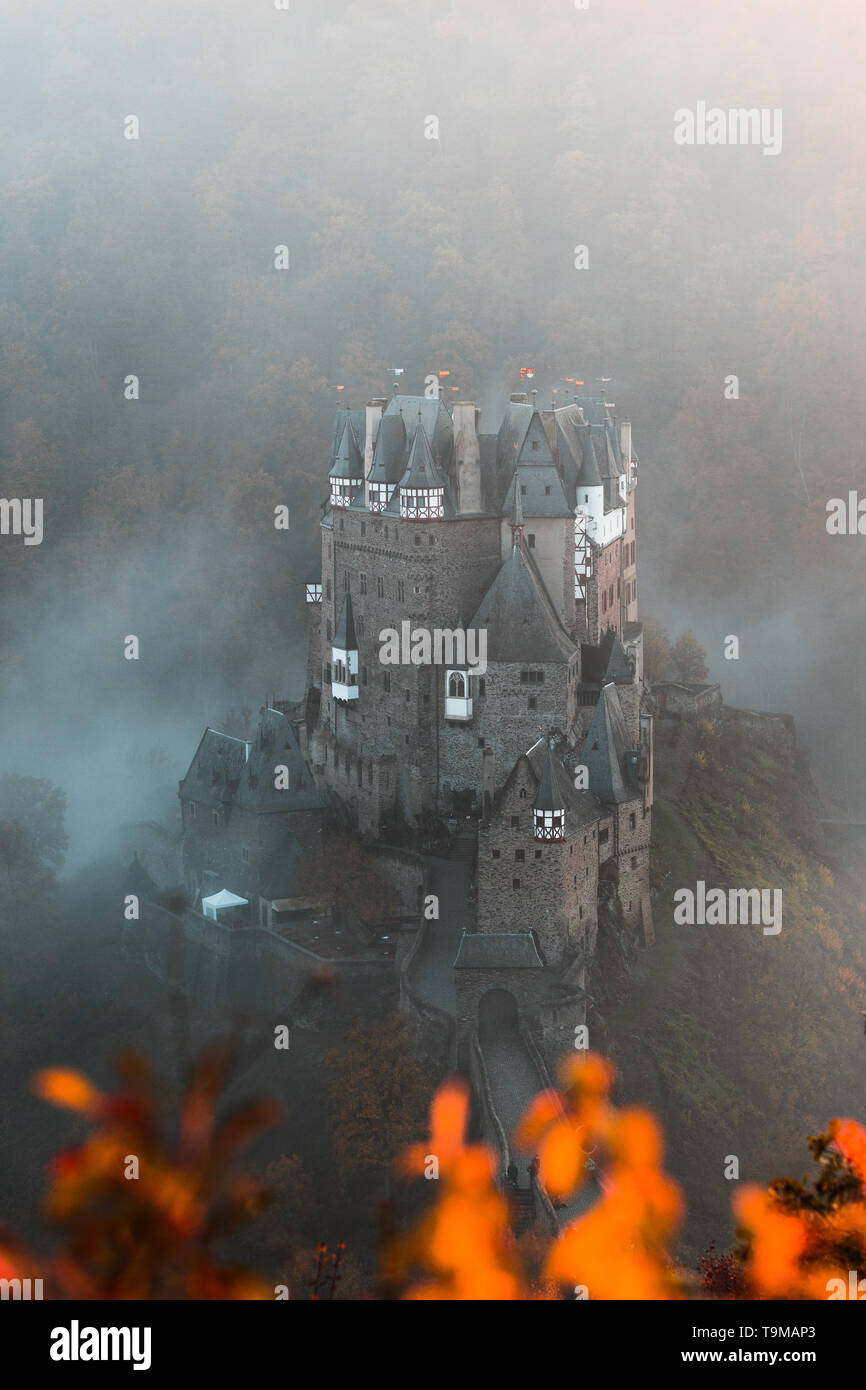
(687, 660)
(379, 1096)
(656, 651)
(343, 868)
(289, 1221)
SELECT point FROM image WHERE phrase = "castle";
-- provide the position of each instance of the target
(521, 542)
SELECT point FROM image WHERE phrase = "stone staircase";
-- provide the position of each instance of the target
(521, 1205)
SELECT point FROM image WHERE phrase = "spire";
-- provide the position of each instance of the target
(344, 638)
(348, 462)
(548, 808)
(549, 797)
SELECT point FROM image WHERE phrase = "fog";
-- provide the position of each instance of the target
(308, 128)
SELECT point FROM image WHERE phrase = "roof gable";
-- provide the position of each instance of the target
(520, 620)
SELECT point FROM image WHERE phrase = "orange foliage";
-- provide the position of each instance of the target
(463, 1245)
(152, 1236)
(149, 1234)
(850, 1139)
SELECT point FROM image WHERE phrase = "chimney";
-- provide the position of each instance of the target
(625, 444)
(467, 456)
(374, 415)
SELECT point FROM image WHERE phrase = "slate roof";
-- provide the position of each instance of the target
(498, 950)
(537, 502)
(618, 666)
(521, 622)
(512, 432)
(220, 772)
(605, 662)
(437, 424)
(275, 745)
(358, 421)
(390, 452)
(582, 807)
(590, 473)
(570, 432)
(548, 796)
(213, 775)
(421, 470)
(345, 638)
(604, 752)
(594, 409)
(348, 462)
(535, 448)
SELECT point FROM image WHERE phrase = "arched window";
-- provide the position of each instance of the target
(457, 685)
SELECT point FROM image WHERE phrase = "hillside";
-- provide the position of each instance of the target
(743, 1043)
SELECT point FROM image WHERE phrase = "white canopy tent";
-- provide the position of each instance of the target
(221, 902)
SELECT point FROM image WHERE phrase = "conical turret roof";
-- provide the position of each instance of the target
(389, 454)
(345, 638)
(421, 470)
(549, 797)
(348, 462)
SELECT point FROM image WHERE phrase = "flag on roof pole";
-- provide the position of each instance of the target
(398, 371)
(444, 373)
(527, 372)
(341, 388)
